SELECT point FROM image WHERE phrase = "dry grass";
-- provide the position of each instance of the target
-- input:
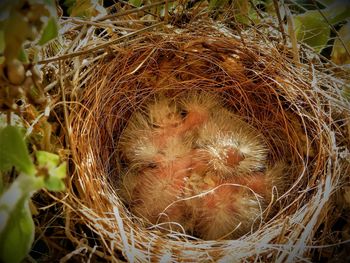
(298, 108)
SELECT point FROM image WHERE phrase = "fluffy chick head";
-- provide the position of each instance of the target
(231, 146)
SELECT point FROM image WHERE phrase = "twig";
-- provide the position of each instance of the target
(65, 110)
(91, 23)
(8, 118)
(166, 11)
(256, 9)
(292, 36)
(146, 12)
(128, 12)
(91, 50)
(275, 3)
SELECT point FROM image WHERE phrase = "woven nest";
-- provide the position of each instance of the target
(298, 107)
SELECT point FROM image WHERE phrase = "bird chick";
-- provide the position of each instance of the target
(193, 165)
(230, 145)
(148, 130)
(155, 193)
(135, 142)
(221, 208)
(163, 113)
(159, 156)
(226, 208)
(197, 107)
(226, 190)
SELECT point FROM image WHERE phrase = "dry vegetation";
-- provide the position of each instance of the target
(109, 67)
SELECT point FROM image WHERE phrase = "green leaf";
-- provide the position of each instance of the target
(20, 189)
(2, 41)
(16, 223)
(60, 171)
(216, 4)
(312, 29)
(50, 31)
(17, 238)
(55, 184)
(136, 3)
(337, 11)
(47, 159)
(53, 180)
(14, 152)
(88, 8)
(23, 57)
(339, 54)
(245, 12)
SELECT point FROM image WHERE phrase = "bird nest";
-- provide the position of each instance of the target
(297, 107)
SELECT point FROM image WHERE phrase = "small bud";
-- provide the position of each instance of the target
(15, 72)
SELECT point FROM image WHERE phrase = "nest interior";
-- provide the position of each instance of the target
(297, 107)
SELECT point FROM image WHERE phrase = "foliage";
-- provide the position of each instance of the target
(314, 21)
(16, 223)
(340, 52)
(36, 20)
(32, 23)
(28, 17)
(312, 29)
(314, 26)
(85, 8)
(136, 3)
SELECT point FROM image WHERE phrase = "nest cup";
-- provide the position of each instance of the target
(297, 107)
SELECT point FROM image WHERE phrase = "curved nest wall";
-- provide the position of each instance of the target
(297, 107)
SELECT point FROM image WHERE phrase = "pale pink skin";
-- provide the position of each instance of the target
(192, 121)
(222, 207)
(158, 188)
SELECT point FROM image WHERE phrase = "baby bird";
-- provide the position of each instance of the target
(157, 191)
(226, 189)
(197, 107)
(193, 165)
(230, 145)
(148, 130)
(157, 152)
(222, 209)
(225, 208)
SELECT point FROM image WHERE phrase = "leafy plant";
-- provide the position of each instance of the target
(314, 26)
(16, 223)
(85, 8)
(31, 23)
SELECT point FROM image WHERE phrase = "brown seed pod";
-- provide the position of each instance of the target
(15, 72)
